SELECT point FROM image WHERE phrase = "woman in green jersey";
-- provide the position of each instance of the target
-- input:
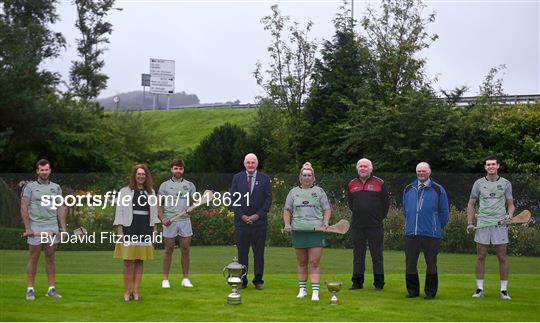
(306, 208)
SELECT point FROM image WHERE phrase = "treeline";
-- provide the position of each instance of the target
(363, 93)
(37, 119)
(368, 96)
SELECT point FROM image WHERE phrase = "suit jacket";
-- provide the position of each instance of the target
(124, 213)
(259, 200)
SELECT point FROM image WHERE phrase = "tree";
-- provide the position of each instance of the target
(223, 150)
(395, 37)
(27, 91)
(452, 97)
(86, 79)
(492, 87)
(343, 76)
(287, 79)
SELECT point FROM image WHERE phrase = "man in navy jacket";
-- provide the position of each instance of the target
(250, 216)
(425, 207)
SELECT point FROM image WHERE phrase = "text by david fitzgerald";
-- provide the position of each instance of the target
(104, 237)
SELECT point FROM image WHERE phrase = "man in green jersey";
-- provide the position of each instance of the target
(494, 196)
(174, 195)
(41, 224)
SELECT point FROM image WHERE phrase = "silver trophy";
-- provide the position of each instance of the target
(334, 287)
(235, 272)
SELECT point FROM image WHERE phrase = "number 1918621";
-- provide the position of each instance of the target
(217, 199)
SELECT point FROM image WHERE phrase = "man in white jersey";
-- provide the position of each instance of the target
(494, 196)
(174, 195)
(38, 219)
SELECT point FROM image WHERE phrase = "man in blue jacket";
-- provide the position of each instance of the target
(250, 222)
(425, 207)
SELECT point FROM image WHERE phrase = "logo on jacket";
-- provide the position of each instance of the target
(499, 187)
(314, 194)
(305, 202)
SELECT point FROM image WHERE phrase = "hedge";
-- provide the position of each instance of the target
(216, 227)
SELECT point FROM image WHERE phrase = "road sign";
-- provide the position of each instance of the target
(161, 76)
(145, 79)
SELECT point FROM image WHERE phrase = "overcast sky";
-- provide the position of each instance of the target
(216, 43)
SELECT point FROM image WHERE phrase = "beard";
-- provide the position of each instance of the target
(363, 175)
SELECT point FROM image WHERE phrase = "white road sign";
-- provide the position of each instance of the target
(161, 76)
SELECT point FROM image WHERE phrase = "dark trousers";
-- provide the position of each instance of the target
(430, 247)
(362, 238)
(254, 237)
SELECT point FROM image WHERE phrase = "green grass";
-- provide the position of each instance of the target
(91, 285)
(185, 128)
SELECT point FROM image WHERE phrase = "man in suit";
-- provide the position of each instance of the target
(250, 216)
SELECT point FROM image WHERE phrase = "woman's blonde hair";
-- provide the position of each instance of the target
(306, 166)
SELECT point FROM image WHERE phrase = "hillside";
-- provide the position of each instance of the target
(185, 128)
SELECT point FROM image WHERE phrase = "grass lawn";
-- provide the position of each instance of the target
(91, 285)
(185, 128)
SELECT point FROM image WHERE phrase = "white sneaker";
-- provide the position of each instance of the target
(479, 293)
(30, 295)
(186, 283)
(315, 295)
(165, 284)
(302, 292)
(504, 295)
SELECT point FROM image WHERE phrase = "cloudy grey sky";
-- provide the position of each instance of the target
(216, 43)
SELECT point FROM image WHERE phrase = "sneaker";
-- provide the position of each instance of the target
(186, 283)
(504, 295)
(315, 295)
(30, 295)
(478, 293)
(302, 292)
(53, 293)
(165, 283)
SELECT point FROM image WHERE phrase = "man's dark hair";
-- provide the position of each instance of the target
(42, 162)
(491, 158)
(177, 162)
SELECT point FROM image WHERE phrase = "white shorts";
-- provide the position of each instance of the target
(181, 228)
(36, 241)
(492, 235)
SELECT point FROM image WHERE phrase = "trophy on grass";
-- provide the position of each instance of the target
(334, 287)
(235, 272)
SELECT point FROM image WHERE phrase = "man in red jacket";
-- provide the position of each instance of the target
(369, 203)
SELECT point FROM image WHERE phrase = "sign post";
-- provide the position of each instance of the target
(161, 77)
(145, 81)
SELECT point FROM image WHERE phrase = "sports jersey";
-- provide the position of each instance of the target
(174, 195)
(492, 196)
(39, 214)
(306, 207)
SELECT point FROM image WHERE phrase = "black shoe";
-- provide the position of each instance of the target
(411, 295)
(242, 286)
(356, 286)
(429, 297)
(379, 288)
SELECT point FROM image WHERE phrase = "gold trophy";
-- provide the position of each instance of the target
(235, 272)
(334, 287)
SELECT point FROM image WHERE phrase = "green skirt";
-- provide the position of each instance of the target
(307, 239)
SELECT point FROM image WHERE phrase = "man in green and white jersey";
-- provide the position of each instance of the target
(174, 195)
(494, 196)
(38, 218)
